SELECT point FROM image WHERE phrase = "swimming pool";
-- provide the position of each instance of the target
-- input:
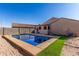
(31, 39)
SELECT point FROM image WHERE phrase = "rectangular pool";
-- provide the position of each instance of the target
(31, 39)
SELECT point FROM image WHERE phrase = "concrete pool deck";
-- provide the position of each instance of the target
(71, 47)
(6, 49)
(28, 48)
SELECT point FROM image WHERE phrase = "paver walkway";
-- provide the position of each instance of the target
(71, 47)
(7, 49)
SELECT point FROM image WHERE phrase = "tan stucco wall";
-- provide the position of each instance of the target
(64, 26)
(42, 30)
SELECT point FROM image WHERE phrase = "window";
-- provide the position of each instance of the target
(39, 27)
(45, 27)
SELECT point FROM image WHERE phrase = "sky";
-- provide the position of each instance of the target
(35, 13)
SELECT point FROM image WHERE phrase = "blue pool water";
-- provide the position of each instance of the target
(33, 40)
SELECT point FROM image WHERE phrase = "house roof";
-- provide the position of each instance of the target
(51, 20)
(55, 20)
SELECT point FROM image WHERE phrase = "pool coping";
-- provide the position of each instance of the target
(28, 48)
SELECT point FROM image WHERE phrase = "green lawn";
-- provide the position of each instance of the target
(55, 48)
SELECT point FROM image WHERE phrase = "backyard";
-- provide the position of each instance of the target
(55, 48)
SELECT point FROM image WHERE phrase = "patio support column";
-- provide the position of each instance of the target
(3, 30)
(29, 30)
(19, 30)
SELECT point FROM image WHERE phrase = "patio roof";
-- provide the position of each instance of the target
(17, 25)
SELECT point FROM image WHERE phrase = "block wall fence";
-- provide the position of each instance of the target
(14, 31)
